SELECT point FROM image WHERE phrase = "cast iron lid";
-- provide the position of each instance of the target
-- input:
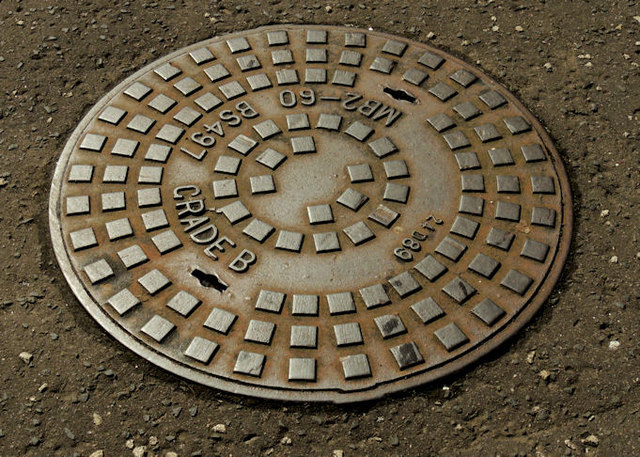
(310, 213)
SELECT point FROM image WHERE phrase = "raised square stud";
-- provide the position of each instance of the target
(260, 332)
(472, 182)
(154, 220)
(228, 165)
(303, 145)
(396, 192)
(120, 228)
(258, 230)
(225, 188)
(132, 256)
(124, 147)
(465, 227)
(320, 214)
(299, 121)
(431, 60)
(208, 102)
(183, 303)
(359, 233)
(262, 184)
(235, 212)
(259, 81)
(451, 337)
(390, 325)
(356, 366)
(162, 103)
(154, 281)
(382, 147)
(158, 153)
(201, 349)
(459, 289)
(384, 216)
(488, 312)
(167, 71)
(123, 301)
(249, 363)
(289, 241)
(407, 355)
(83, 239)
(98, 271)
(158, 328)
(305, 305)
(348, 334)
(304, 336)
(484, 265)
(220, 320)
(359, 131)
(543, 216)
(427, 310)
(374, 296)
(329, 121)
(78, 205)
(270, 301)
(395, 169)
(271, 158)
(517, 282)
(166, 242)
(341, 303)
(326, 242)
(430, 268)
(352, 199)
(405, 284)
(302, 369)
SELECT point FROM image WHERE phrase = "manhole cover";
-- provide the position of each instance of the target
(310, 213)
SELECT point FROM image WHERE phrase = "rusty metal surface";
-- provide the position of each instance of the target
(310, 213)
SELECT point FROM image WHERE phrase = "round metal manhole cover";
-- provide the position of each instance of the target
(310, 213)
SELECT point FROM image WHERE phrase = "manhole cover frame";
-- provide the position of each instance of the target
(452, 366)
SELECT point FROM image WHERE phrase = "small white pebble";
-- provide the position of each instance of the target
(140, 451)
(604, 213)
(614, 344)
(26, 357)
(495, 28)
(220, 428)
(613, 259)
(97, 419)
(519, 28)
(285, 441)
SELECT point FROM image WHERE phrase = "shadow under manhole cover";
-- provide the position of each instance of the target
(310, 213)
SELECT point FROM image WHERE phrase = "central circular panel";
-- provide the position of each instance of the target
(310, 213)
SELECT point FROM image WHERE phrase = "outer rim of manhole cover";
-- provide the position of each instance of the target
(249, 386)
